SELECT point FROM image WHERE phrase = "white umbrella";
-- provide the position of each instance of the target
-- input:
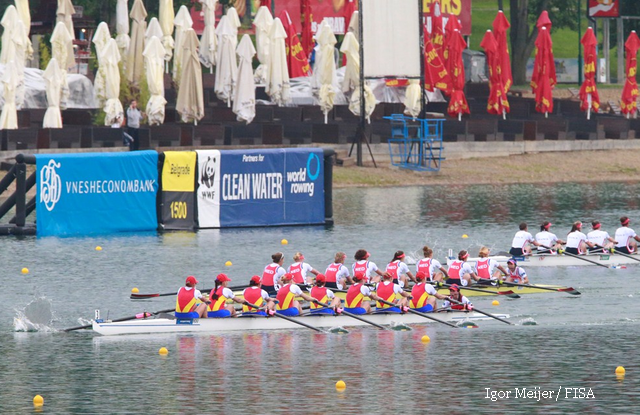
(208, 41)
(278, 87)
(153, 30)
(25, 15)
(324, 71)
(234, 19)
(244, 99)
(262, 22)
(9, 115)
(351, 48)
(190, 101)
(354, 25)
(64, 14)
(112, 107)
(62, 51)
(154, 63)
(122, 27)
(227, 65)
(165, 16)
(100, 39)
(15, 44)
(182, 23)
(412, 99)
(135, 64)
(53, 84)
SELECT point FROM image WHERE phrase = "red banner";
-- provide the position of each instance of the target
(604, 8)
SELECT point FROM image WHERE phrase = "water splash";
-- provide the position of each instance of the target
(529, 321)
(36, 316)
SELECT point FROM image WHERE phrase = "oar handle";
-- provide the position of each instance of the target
(418, 313)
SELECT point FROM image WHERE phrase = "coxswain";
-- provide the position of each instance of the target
(323, 295)
(548, 243)
(189, 302)
(354, 301)
(516, 274)
(255, 295)
(399, 270)
(577, 241)
(301, 270)
(626, 237)
(218, 306)
(460, 302)
(460, 272)
(488, 269)
(365, 268)
(521, 240)
(287, 304)
(432, 267)
(424, 295)
(599, 238)
(337, 274)
(386, 290)
(272, 274)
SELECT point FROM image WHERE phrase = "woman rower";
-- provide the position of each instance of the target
(488, 269)
(548, 243)
(521, 240)
(301, 270)
(424, 295)
(626, 237)
(432, 267)
(364, 268)
(337, 274)
(255, 295)
(399, 270)
(287, 303)
(323, 295)
(218, 306)
(272, 274)
(577, 241)
(516, 274)
(354, 301)
(456, 300)
(460, 272)
(599, 238)
(189, 302)
(387, 290)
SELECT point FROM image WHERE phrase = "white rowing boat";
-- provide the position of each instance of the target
(214, 325)
(546, 260)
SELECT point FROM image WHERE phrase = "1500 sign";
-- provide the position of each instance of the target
(178, 210)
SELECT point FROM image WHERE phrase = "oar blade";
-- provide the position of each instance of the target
(143, 296)
(569, 290)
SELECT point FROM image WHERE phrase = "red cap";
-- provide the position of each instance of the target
(421, 275)
(223, 278)
(256, 279)
(287, 277)
(191, 280)
(454, 287)
(321, 278)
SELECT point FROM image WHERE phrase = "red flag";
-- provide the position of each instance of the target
(543, 78)
(628, 103)
(500, 26)
(497, 103)
(458, 102)
(307, 20)
(435, 74)
(588, 90)
(437, 29)
(296, 58)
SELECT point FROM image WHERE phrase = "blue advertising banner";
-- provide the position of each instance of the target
(94, 193)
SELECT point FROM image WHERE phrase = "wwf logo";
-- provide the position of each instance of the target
(208, 172)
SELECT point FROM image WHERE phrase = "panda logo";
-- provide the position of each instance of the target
(208, 172)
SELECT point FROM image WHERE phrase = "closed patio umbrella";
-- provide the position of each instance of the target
(262, 22)
(165, 17)
(325, 67)
(64, 14)
(589, 97)
(244, 100)
(628, 103)
(100, 39)
(154, 64)
(458, 102)
(543, 78)
(278, 87)
(153, 29)
(182, 23)
(497, 103)
(15, 45)
(9, 114)
(122, 27)
(190, 101)
(208, 41)
(112, 107)
(227, 64)
(53, 86)
(135, 64)
(62, 51)
(351, 48)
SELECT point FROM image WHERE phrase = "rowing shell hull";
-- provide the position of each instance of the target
(561, 260)
(214, 325)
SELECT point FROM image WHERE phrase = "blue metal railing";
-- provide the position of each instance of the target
(415, 144)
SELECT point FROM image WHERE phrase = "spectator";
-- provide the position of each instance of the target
(134, 116)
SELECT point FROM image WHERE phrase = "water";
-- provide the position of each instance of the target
(577, 342)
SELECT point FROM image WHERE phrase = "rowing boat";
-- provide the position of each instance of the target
(546, 260)
(229, 324)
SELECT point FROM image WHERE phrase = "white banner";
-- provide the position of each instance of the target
(208, 188)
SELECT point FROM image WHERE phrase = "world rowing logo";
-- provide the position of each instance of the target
(50, 185)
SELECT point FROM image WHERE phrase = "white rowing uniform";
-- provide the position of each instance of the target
(517, 274)
(574, 239)
(546, 239)
(624, 235)
(521, 239)
(598, 237)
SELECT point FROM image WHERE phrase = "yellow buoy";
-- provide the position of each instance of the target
(163, 351)
(465, 236)
(284, 242)
(495, 302)
(425, 339)
(38, 400)
(25, 270)
(340, 385)
(620, 370)
(228, 264)
(135, 290)
(98, 248)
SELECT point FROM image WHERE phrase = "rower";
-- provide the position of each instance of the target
(354, 301)
(189, 302)
(460, 272)
(577, 241)
(516, 274)
(455, 294)
(387, 290)
(522, 239)
(399, 270)
(548, 243)
(323, 295)
(432, 267)
(364, 268)
(599, 238)
(488, 269)
(287, 303)
(272, 274)
(301, 269)
(424, 295)
(337, 274)
(218, 306)
(256, 296)
(626, 237)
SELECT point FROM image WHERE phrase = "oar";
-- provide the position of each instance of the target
(483, 312)
(357, 317)
(288, 319)
(135, 296)
(418, 313)
(563, 252)
(144, 315)
(508, 293)
(568, 290)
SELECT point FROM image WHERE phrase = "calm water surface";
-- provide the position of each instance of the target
(577, 342)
